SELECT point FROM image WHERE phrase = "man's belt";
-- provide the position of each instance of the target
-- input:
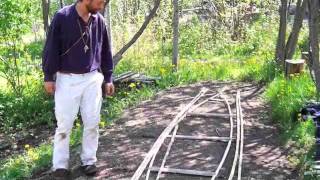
(73, 72)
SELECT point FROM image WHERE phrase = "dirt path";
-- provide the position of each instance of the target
(124, 144)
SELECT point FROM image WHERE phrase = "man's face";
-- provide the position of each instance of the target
(95, 6)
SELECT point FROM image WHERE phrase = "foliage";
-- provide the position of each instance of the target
(15, 21)
(287, 97)
(32, 108)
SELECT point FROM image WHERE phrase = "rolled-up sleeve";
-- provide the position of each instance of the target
(106, 57)
(50, 55)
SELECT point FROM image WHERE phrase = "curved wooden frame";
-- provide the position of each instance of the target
(173, 127)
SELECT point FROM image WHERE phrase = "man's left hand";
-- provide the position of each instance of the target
(109, 88)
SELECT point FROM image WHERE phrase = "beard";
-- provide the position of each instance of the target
(91, 10)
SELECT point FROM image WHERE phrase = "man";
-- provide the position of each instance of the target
(77, 59)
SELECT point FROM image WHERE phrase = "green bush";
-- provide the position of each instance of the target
(34, 107)
(34, 49)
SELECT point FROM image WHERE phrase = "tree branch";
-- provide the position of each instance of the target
(119, 54)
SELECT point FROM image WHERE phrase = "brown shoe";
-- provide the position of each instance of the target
(89, 170)
(61, 174)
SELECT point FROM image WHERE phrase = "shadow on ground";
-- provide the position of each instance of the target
(124, 144)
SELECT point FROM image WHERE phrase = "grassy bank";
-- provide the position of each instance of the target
(287, 97)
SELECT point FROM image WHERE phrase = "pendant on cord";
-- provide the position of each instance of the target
(86, 48)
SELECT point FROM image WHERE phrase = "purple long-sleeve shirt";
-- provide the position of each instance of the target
(64, 35)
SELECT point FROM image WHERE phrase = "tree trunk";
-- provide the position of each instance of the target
(152, 13)
(314, 40)
(294, 35)
(175, 25)
(45, 14)
(106, 12)
(61, 3)
(281, 42)
(108, 19)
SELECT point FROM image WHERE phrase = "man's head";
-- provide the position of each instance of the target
(94, 6)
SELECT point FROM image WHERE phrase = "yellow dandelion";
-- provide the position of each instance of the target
(27, 146)
(132, 85)
(102, 124)
(77, 124)
(162, 71)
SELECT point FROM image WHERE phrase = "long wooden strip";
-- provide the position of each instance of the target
(124, 75)
(215, 99)
(204, 138)
(156, 146)
(168, 150)
(220, 91)
(183, 171)
(150, 165)
(236, 153)
(200, 104)
(241, 141)
(211, 94)
(208, 115)
(174, 133)
(229, 143)
(190, 110)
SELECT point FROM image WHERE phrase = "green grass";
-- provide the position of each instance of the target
(34, 158)
(287, 97)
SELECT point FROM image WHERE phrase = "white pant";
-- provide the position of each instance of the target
(74, 91)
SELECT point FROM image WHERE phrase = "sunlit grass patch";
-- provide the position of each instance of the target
(287, 97)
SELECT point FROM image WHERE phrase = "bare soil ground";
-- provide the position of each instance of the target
(124, 144)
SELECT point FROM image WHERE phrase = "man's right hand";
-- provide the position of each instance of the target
(50, 87)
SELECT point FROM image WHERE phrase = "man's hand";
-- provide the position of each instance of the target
(50, 87)
(109, 88)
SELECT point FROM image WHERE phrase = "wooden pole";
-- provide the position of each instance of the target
(228, 145)
(236, 153)
(241, 139)
(156, 146)
(202, 138)
(168, 151)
